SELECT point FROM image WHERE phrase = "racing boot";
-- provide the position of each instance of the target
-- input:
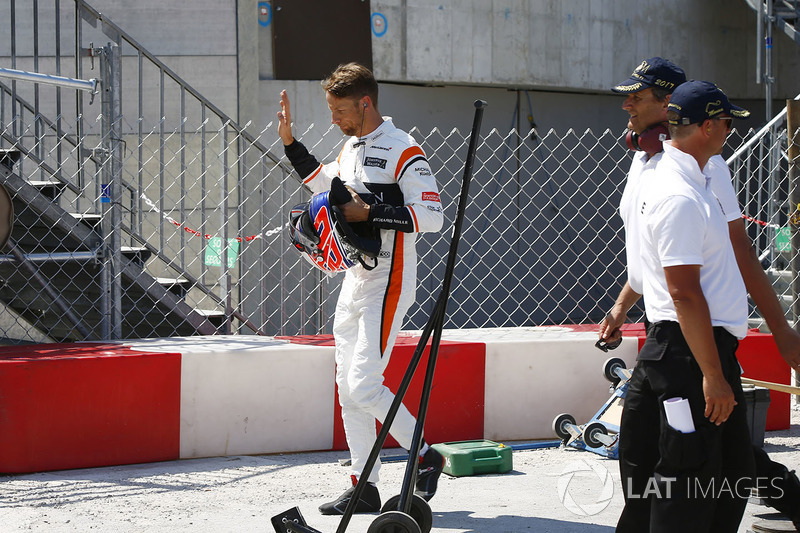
(430, 468)
(370, 501)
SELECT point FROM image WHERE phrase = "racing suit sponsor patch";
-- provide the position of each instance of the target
(374, 162)
(423, 171)
(430, 197)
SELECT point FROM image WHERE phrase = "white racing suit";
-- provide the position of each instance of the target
(372, 303)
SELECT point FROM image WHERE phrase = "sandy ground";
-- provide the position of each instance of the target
(549, 490)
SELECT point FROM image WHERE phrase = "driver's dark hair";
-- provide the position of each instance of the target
(352, 80)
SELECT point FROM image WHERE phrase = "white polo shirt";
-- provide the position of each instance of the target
(638, 176)
(641, 166)
(682, 223)
(717, 169)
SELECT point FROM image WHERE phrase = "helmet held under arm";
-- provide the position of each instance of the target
(320, 232)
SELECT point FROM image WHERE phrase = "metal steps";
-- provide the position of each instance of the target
(785, 13)
(177, 286)
(51, 188)
(51, 272)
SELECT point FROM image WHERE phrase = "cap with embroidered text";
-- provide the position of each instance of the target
(696, 101)
(653, 72)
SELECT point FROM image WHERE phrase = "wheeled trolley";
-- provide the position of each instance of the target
(600, 434)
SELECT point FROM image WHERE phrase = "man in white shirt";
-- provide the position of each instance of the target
(647, 91)
(647, 96)
(646, 102)
(695, 301)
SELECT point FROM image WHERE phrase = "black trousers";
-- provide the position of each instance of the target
(673, 481)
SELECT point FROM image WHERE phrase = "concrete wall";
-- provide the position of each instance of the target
(435, 58)
(448, 107)
(573, 44)
(566, 44)
(224, 48)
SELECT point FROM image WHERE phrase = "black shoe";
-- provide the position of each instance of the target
(430, 468)
(370, 501)
(782, 491)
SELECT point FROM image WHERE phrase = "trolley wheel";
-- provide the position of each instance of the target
(590, 433)
(610, 367)
(393, 522)
(560, 424)
(420, 511)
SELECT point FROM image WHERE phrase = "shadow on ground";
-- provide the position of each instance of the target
(466, 523)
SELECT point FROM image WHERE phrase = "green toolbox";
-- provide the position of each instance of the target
(471, 457)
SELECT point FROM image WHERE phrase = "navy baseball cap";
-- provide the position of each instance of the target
(695, 101)
(653, 72)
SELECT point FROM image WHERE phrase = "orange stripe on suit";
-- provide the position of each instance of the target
(407, 154)
(414, 217)
(313, 174)
(393, 289)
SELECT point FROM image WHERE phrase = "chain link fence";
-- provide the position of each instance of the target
(154, 214)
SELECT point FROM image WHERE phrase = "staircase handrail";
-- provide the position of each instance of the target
(130, 231)
(759, 134)
(87, 9)
(58, 81)
(61, 134)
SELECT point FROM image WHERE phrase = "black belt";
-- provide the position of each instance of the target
(670, 328)
(659, 335)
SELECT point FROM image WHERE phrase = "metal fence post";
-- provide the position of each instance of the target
(793, 142)
(224, 250)
(793, 145)
(111, 193)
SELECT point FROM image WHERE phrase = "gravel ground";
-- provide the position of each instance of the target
(549, 490)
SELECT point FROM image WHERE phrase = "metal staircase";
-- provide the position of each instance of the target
(52, 277)
(87, 259)
(760, 170)
(786, 14)
(764, 154)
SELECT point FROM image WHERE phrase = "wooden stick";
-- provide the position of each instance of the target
(781, 387)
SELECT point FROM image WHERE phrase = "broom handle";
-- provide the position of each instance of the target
(780, 387)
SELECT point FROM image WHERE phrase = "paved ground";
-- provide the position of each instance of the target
(240, 494)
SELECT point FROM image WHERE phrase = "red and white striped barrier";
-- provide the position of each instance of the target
(98, 404)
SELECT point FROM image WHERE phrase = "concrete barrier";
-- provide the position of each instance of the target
(244, 395)
(89, 404)
(97, 404)
(533, 374)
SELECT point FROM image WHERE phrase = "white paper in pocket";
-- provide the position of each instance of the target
(679, 415)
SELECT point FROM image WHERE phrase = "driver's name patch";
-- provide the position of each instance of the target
(375, 162)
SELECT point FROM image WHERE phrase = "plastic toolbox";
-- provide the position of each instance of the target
(471, 457)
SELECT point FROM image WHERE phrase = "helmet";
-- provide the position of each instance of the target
(319, 231)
